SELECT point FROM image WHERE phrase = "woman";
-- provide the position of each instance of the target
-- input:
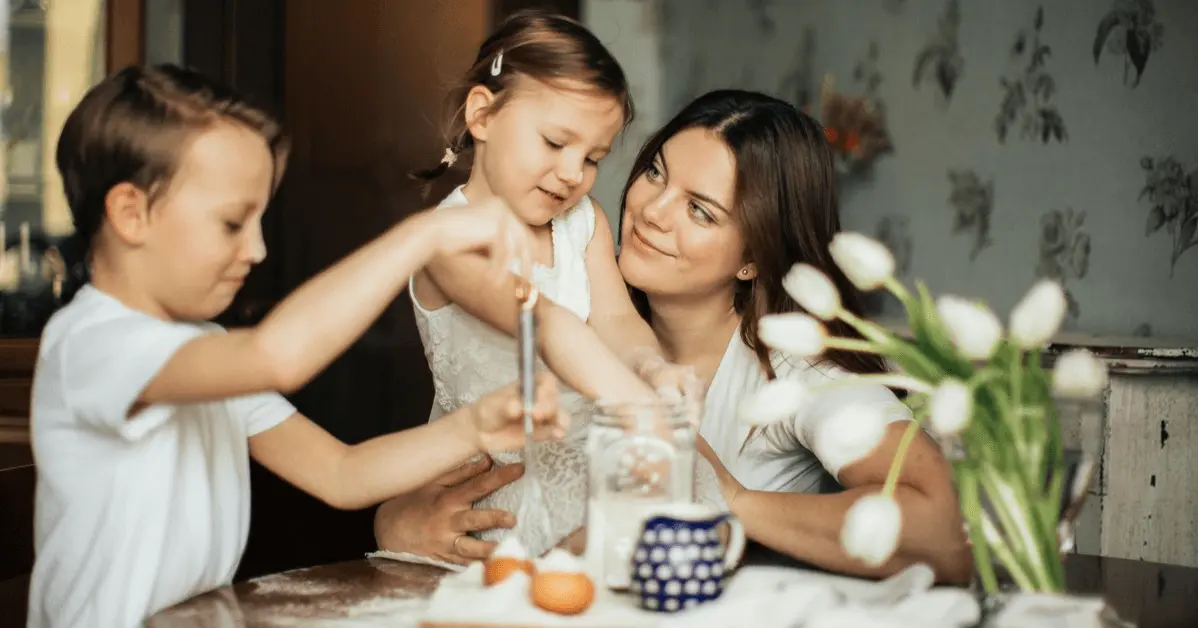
(721, 202)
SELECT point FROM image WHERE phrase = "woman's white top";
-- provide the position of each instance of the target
(470, 359)
(799, 455)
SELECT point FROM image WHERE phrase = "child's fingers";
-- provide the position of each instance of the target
(547, 401)
(554, 430)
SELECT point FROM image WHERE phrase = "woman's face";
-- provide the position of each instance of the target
(679, 236)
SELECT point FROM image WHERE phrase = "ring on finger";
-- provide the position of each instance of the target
(455, 543)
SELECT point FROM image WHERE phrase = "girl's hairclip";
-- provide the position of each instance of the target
(450, 157)
(497, 64)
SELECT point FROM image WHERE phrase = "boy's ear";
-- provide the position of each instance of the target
(478, 106)
(127, 209)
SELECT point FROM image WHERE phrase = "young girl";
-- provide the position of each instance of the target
(538, 110)
(143, 417)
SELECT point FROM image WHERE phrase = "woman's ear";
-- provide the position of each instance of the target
(478, 106)
(748, 272)
(127, 209)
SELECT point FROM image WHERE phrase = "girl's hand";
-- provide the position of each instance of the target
(498, 418)
(674, 382)
(490, 226)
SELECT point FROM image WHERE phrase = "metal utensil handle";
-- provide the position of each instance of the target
(527, 341)
(528, 356)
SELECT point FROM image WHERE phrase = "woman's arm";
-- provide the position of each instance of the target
(807, 526)
(357, 476)
(318, 321)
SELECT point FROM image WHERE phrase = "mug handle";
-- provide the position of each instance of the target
(736, 542)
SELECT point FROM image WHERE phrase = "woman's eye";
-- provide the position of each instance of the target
(552, 144)
(653, 172)
(232, 227)
(701, 215)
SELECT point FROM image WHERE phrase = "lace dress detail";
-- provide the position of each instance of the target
(469, 359)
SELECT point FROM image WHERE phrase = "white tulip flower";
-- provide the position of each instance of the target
(777, 400)
(797, 334)
(950, 407)
(871, 529)
(974, 329)
(1078, 375)
(813, 290)
(850, 433)
(865, 261)
(1036, 319)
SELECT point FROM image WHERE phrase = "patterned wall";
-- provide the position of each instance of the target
(1051, 138)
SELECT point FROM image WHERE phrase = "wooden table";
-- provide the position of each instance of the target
(1150, 594)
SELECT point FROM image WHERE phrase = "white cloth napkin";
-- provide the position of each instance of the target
(774, 597)
(407, 557)
(767, 597)
(461, 599)
(1039, 610)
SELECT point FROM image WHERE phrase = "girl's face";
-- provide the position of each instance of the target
(541, 149)
(679, 236)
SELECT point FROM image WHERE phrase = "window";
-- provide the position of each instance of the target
(53, 51)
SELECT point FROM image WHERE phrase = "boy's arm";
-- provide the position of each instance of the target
(319, 321)
(362, 475)
(352, 477)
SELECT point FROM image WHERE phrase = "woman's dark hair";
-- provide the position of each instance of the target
(135, 127)
(549, 48)
(785, 206)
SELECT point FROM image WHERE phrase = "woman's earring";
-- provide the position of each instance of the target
(744, 272)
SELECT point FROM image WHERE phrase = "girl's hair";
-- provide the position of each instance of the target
(785, 207)
(135, 126)
(549, 48)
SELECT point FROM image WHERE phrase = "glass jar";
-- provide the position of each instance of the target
(641, 457)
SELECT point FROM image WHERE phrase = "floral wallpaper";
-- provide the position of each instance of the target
(1032, 138)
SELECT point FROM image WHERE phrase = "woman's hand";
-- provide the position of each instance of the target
(436, 521)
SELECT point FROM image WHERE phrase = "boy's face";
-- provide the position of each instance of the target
(205, 232)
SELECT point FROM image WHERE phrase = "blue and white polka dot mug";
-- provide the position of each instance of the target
(680, 560)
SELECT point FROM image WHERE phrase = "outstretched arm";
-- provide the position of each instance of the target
(317, 322)
(357, 476)
(616, 320)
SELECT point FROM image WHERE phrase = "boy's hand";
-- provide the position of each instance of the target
(498, 418)
(489, 226)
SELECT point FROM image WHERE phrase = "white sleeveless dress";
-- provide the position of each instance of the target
(469, 359)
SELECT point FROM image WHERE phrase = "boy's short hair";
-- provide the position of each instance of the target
(135, 126)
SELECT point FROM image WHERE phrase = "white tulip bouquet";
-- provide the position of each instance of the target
(972, 386)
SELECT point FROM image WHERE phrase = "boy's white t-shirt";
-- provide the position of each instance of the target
(132, 514)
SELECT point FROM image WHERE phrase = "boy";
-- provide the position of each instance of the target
(144, 418)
